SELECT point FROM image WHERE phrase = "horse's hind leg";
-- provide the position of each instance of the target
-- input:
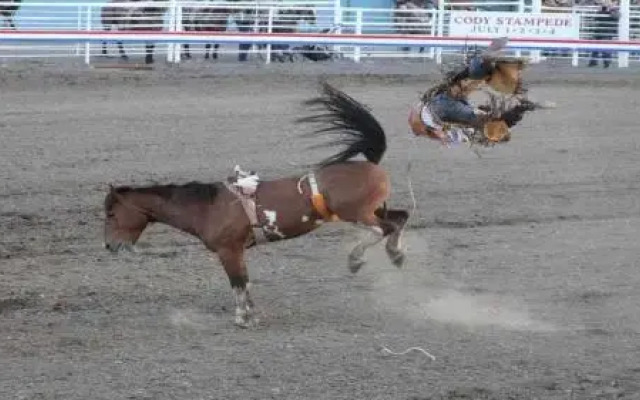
(356, 257)
(384, 224)
(381, 228)
(397, 218)
(232, 260)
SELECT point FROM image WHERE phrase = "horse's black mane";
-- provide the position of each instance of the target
(191, 191)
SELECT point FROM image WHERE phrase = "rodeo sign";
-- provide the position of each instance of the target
(515, 25)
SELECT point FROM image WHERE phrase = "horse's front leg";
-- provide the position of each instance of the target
(232, 260)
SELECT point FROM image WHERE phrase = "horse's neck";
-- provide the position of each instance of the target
(166, 211)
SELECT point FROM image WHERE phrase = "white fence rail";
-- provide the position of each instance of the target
(273, 29)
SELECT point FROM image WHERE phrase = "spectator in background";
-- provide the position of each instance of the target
(557, 3)
(606, 25)
(244, 20)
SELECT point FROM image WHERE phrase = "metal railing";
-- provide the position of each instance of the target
(274, 17)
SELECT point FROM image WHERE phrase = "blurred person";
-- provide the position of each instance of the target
(448, 104)
(244, 20)
(606, 24)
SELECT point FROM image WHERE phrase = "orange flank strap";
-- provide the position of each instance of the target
(319, 202)
(320, 205)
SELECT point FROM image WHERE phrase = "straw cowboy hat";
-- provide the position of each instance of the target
(505, 77)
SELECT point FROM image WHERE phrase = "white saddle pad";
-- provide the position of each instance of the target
(247, 182)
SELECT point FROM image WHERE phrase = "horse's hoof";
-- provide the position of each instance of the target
(242, 322)
(398, 258)
(246, 322)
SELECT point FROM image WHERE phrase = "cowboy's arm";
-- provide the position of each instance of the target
(479, 67)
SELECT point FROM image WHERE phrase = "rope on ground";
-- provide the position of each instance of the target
(414, 203)
(420, 349)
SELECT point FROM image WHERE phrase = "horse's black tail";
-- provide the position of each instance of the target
(360, 131)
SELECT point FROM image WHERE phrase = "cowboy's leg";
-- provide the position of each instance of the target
(458, 111)
(453, 110)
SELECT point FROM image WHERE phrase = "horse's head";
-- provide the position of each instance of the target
(507, 75)
(124, 219)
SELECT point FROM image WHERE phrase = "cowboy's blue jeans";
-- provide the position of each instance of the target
(452, 110)
(449, 109)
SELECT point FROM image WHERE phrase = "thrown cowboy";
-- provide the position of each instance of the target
(444, 112)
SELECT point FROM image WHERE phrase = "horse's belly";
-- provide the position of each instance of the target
(286, 224)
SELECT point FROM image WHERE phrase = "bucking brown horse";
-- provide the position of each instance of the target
(8, 11)
(134, 18)
(229, 221)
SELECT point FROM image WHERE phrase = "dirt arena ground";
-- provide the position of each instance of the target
(522, 275)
